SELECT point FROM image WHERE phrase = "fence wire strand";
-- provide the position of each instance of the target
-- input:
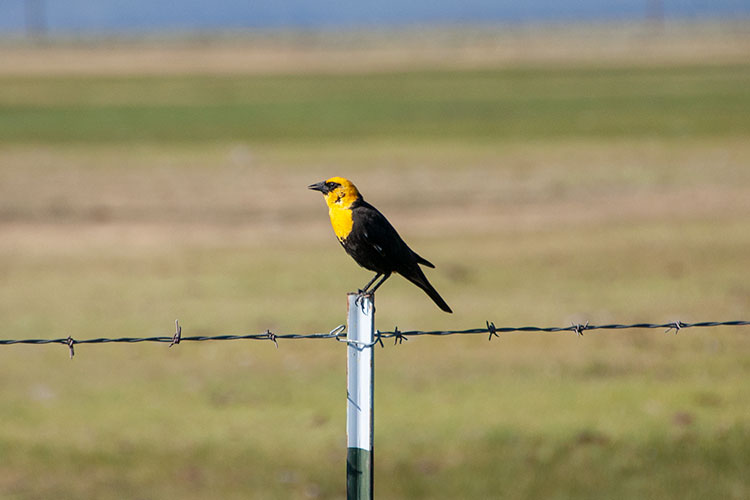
(399, 336)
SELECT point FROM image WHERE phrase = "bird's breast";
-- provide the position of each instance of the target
(342, 222)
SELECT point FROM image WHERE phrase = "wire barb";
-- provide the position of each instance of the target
(272, 337)
(676, 326)
(492, 330)
(579, 328)
(398, 337)
(378, 339)
(70, 342)
(177, 333)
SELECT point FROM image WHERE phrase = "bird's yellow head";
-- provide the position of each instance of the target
(338, 192)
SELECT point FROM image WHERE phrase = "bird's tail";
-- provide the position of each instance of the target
(418, 278)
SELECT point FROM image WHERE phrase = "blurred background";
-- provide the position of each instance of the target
(558, 161)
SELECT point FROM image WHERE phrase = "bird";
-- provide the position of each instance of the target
(371, 240)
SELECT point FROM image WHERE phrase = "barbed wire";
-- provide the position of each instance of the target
(398, 335)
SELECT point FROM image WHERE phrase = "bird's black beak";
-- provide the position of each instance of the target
(319, 186)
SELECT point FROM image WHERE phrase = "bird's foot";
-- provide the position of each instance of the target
(361, 294)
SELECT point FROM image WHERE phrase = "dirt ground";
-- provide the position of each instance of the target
(334, 52)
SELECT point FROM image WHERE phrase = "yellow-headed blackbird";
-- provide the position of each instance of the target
(370, 239)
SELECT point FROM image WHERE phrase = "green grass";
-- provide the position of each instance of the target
(615, 195)
(466, 105)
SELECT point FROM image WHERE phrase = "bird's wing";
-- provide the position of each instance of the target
(381, 236)
(371, 241)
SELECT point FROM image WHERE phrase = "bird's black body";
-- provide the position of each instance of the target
(375, 245)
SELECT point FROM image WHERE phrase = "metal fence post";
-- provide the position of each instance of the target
(359, 400)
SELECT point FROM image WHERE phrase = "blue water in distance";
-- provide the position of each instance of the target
(153, 16)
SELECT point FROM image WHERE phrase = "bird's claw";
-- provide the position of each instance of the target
(361, 294)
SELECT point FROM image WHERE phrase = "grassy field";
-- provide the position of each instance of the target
(471, 105)
(545, 195)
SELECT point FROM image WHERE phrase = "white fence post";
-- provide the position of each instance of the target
(359, 399)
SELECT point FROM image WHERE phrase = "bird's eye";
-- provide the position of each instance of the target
(332, 185)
